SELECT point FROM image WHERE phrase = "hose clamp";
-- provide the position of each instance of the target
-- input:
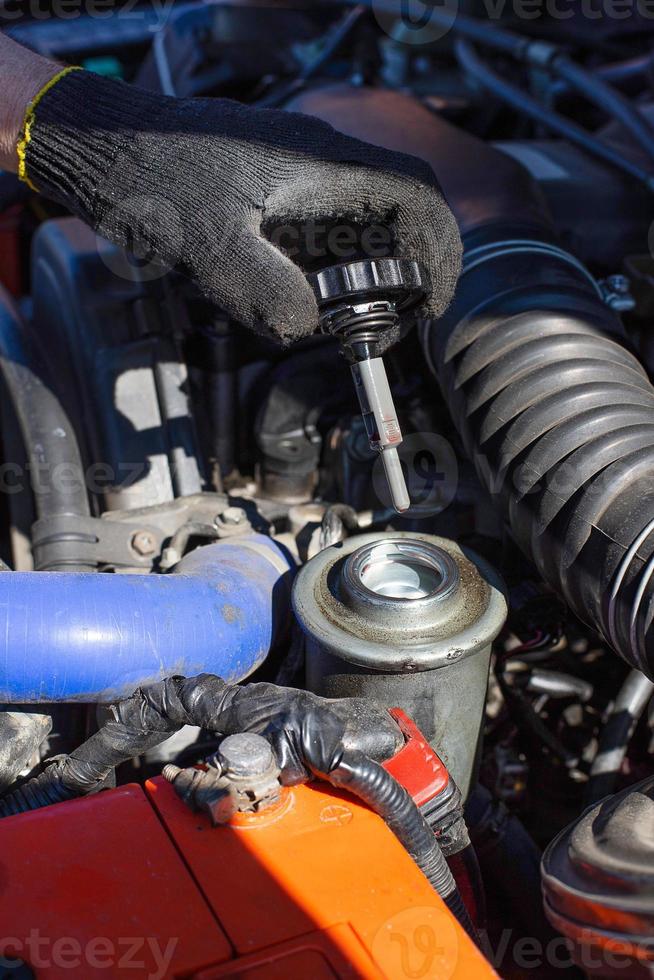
(520, 246)
(636, 643)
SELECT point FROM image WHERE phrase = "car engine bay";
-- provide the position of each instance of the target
(452, 527)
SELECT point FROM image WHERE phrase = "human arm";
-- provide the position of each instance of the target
(22, 75)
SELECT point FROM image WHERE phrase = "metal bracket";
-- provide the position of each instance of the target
(132, 540)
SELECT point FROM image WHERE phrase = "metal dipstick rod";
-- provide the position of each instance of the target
(358, 301)
(381, 423)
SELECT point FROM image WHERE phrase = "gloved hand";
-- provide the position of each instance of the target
(196, 180)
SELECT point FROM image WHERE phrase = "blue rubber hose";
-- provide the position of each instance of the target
(96, 638)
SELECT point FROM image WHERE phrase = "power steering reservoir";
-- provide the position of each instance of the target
(407, 619)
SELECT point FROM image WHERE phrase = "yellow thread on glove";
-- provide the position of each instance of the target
(28, 122)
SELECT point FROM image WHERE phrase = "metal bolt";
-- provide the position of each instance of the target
(618, 283)
(616, 293)
(169, 557)
(232, 515)
(245, 754)
(143, 543)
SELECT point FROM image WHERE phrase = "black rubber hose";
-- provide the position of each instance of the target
(522, 102)
(49, 437)
(550, 57)
(84, 771)
(524, 714)
(558, 418)
(618, 72)
(371, 783)
(605, 97)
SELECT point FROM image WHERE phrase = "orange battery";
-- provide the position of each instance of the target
(315, 887)
(318, 886)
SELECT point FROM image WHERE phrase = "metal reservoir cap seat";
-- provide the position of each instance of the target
(407, 619)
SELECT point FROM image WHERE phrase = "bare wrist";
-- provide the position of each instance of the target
(22, 76)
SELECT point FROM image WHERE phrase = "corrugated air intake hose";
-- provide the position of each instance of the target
(558, 418)
(556, 413)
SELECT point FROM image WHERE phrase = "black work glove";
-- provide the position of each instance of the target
(196, 181)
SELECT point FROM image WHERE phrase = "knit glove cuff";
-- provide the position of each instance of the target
(73, 134)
